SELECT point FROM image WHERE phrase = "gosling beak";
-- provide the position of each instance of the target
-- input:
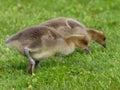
(88, 50)
(104, 45)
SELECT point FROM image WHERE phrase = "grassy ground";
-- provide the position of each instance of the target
(78, 71)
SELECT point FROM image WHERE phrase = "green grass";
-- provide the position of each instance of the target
(78, 71)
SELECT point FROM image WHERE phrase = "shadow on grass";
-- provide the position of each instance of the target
(54, 61)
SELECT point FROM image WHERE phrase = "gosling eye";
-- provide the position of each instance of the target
(85, 42)
(104, 38)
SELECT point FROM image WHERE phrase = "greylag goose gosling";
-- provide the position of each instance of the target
(68, 26)
(37, 43)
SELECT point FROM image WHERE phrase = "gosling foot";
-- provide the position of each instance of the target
(37, 64)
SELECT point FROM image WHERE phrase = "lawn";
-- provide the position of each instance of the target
(78, 71)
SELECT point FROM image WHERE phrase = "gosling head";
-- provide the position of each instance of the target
(98, 36)
(101, 38)
(81, 41)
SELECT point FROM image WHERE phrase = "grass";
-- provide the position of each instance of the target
(78, 71)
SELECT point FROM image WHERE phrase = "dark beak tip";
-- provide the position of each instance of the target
(88, 50)
(104, 45)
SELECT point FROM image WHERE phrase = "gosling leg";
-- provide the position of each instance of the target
(31, 61)
(37, 64)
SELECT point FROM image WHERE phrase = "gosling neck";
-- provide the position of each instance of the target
(92, 33)
(70, 40)
(70, 46)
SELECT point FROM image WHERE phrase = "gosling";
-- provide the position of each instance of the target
(68, 26)
(40, 42)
